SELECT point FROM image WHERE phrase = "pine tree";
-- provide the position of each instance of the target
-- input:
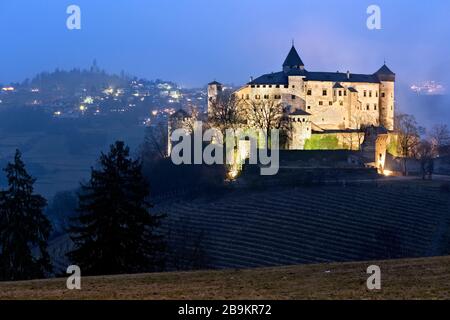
(24, 229)
(115, 232)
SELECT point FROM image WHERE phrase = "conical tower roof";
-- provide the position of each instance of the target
(293, 60)
(385, 74)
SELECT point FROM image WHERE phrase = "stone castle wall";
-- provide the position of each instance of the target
(339, 109)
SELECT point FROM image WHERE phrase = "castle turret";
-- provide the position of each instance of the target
(214, 89)
(293, 61)
(300, 129)
(387, 97)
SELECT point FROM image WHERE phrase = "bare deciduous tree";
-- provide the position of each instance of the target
(359, 123)
(155, 141)
(425, 154)
(225, 112)
(409, 133)
(266, 114)
(440, 138)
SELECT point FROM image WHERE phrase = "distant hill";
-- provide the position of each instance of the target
(401, 279)
(76, 80)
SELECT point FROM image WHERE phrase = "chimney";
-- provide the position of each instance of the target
(348, 75)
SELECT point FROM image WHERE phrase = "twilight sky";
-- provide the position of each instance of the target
(196, 41)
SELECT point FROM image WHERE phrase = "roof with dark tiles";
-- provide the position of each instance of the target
(293, 66)
(299, 112)
(293, 59)
(282, 78)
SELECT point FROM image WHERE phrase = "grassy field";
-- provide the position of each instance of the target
(401, 279)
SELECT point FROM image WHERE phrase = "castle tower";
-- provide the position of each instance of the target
(300, 129)
(214, 89)
(387, 97)
(374, 147)
(293, 61)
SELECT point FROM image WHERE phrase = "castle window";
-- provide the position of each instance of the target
(257, 97)
(345, 93)
(247, 97)
(309, 92)
(304, 120)
(286, 86)
(341, 103)
(375, 107)
(266, 96)
(330, 103)
(320, 103)
(252, 85)
(277, 86)
(264, 86)
(277, 96)
(370, 93)
(293, 87)
(258, 86)
(324, 92)
(293, 97)
(270, 86)
(365, 93)
(340, 93)
(368, 107)
(383, 94)
(309, 107)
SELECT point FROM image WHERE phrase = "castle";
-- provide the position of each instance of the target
(355, 111)
(321, 102)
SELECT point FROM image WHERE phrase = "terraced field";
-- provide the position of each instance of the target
(290, 226)
(317, 224)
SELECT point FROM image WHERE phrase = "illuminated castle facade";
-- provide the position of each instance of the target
(319, 102)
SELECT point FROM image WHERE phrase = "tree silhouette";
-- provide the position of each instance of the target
(408, 132)
(24, 229)
(114, 232)
(267, 114)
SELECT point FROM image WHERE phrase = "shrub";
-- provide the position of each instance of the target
(392, 147)
(322, 142)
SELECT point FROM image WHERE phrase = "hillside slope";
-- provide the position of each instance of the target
(290, 226)
(401, 279)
